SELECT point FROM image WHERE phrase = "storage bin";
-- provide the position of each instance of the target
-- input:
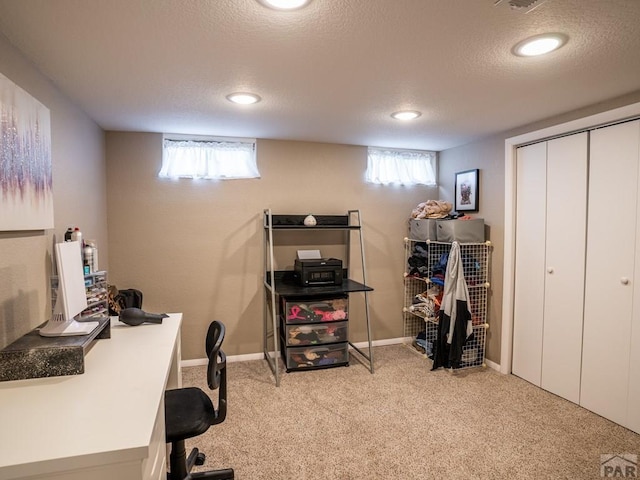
(422, 229)
(332, 355)
(315, 334)
(463, 231)
(315, 310)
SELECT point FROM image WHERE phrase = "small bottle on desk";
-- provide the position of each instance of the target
(77, 236)
(88, 259)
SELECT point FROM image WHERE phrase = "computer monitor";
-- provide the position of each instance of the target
(71, 298)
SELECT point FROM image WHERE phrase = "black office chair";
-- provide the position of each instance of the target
(190, 412)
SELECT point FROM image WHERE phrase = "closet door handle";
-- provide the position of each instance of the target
(550, 270)
(624, 281)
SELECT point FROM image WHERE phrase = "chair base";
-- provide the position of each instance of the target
(181, 465)
(223, 474)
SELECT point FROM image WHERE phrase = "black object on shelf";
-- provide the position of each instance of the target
(318, 271)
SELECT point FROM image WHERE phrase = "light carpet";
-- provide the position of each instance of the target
(402, 422)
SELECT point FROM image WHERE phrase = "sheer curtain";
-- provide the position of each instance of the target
(404, 167)
(208, 159)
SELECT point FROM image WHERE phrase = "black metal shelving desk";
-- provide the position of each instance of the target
(281, 283)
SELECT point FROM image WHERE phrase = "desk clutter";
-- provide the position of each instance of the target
(34, 356)
(38, 354)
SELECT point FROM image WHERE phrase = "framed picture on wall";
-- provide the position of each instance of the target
(467, 190)
(26, 190)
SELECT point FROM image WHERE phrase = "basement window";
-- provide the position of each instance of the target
(401, 167)
(209, 158)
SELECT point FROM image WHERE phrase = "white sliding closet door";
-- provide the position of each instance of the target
(550, 258)
(564, 265)
(633, 402)
(531, 177)
(608, 379)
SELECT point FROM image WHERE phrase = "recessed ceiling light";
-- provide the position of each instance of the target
(284, 4)
(243, 98)
(406, 115)
(540, 44)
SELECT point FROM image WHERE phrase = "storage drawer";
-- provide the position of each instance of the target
(315, 334)
(315, 310)
(422, 229)
(463, 231)
(321, 356)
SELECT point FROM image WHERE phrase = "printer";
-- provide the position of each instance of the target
(318, 271)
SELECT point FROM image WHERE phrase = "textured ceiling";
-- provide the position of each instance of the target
(332, 72)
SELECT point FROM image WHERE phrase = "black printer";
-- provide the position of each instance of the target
(318, 271)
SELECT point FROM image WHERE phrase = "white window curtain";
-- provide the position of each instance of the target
(208, 159)
(403, 167)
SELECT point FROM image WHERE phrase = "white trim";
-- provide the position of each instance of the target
(493, 365)
(382, 343)
(259, 356)
(196, 362)
(586, 123)
(376, 343)
(509, 257)
(246, 357)
(230, 359)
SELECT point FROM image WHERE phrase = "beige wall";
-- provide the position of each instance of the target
(197, 246)
(79, 191)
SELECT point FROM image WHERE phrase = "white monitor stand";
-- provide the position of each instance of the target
(71, 296)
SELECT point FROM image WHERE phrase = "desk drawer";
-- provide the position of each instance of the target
(332, 355)
(155, 465)
(315, 333)
(315, 309)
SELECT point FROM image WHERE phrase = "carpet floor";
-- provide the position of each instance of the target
(403, 422)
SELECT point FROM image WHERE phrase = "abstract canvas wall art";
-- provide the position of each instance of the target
(26, 195)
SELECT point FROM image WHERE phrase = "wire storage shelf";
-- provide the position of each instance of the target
(423, 285)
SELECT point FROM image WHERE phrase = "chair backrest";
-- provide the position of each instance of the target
(217, 367)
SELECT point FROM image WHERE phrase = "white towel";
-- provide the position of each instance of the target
(455, 288)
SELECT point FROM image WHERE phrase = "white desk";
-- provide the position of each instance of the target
(107, 423)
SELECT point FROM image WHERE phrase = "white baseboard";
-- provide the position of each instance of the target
(230, 359)
(492, 365)
(376, 343)
(381, 343)
(194, 362)
(259, 356)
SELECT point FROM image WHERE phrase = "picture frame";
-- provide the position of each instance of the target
(26, 184)
(467, 191)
